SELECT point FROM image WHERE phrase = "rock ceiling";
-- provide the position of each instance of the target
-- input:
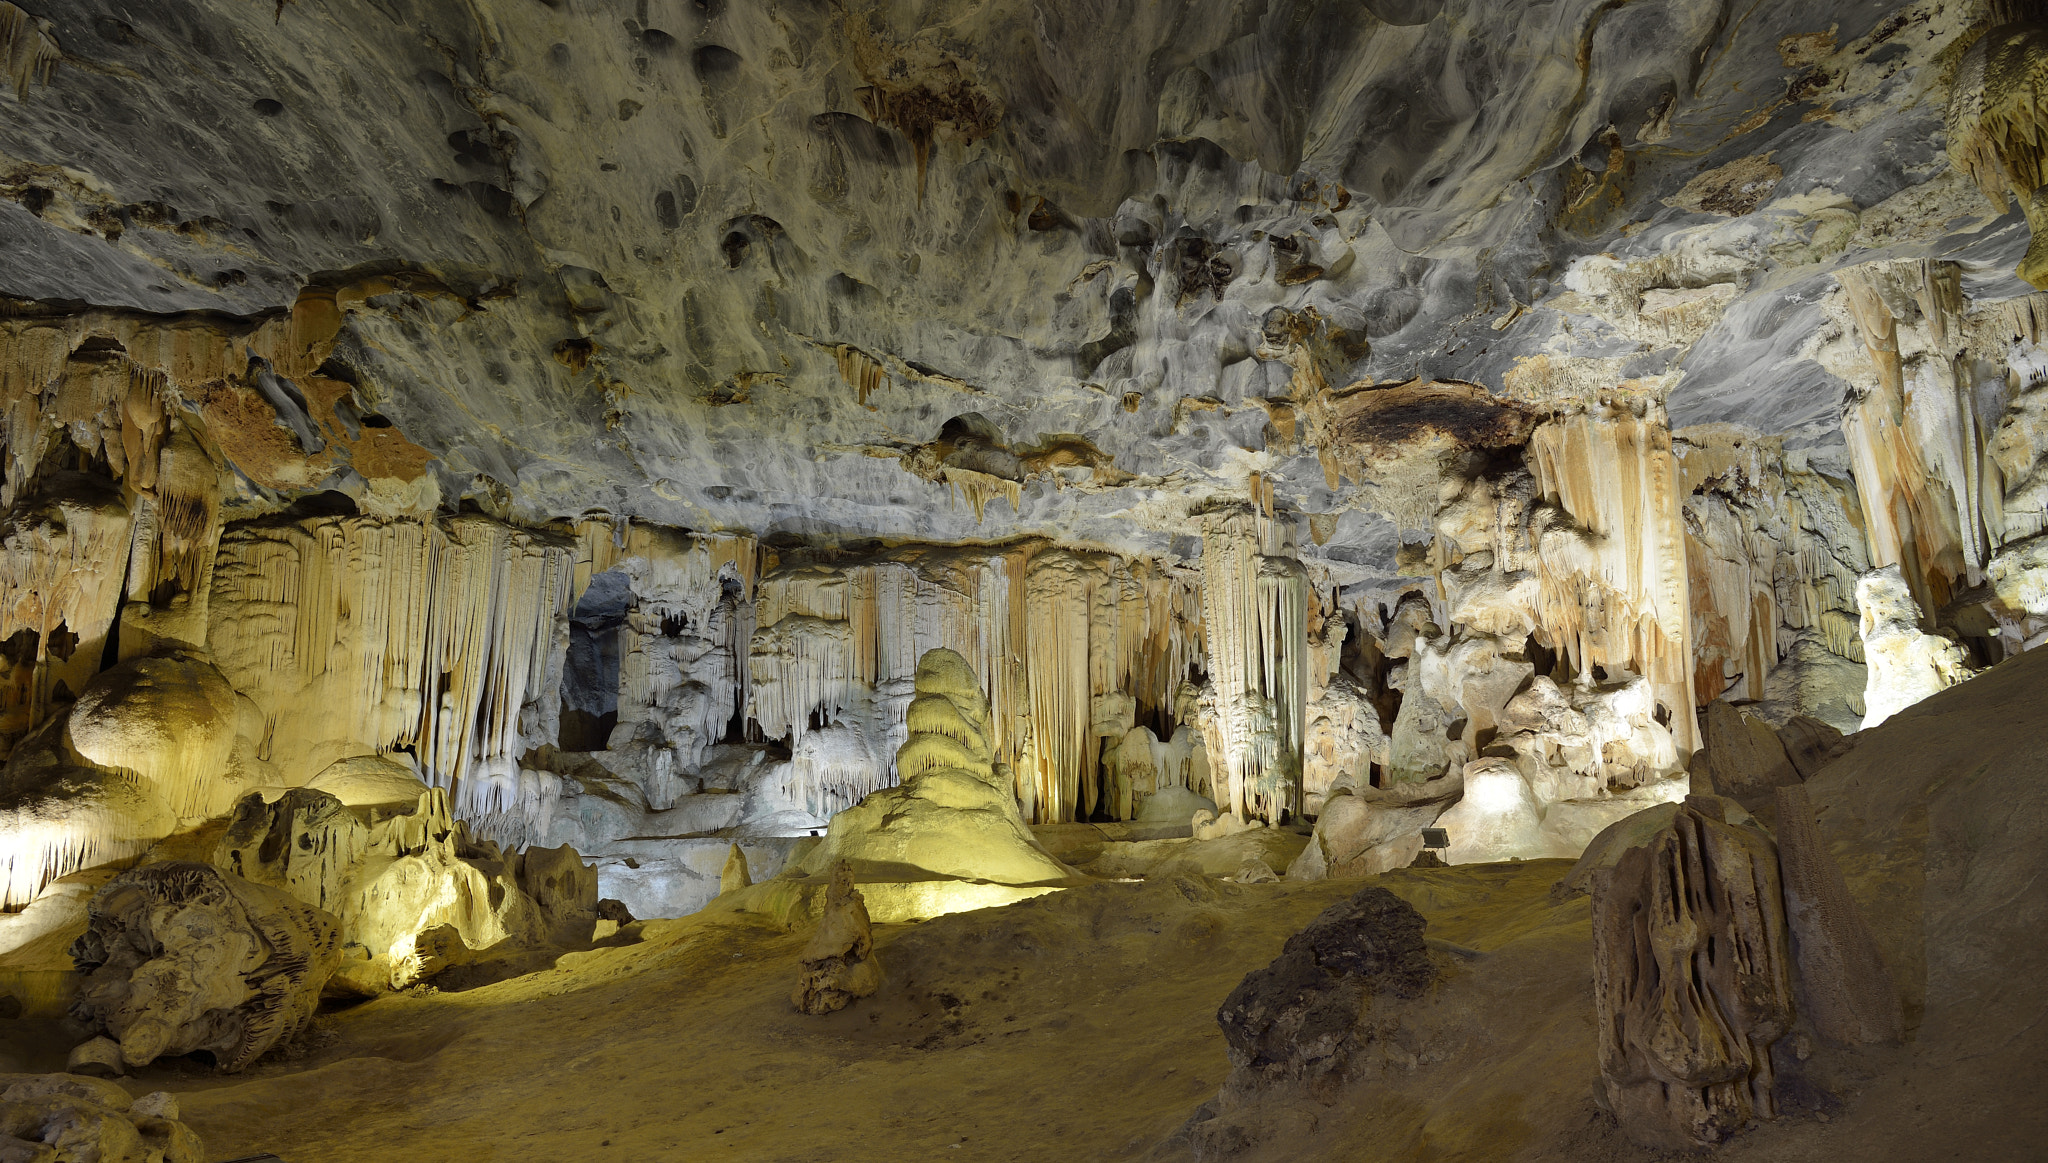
(825, 273)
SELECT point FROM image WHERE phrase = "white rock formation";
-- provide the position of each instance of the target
(1906, 665)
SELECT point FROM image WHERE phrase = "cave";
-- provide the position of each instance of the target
(1417, 579)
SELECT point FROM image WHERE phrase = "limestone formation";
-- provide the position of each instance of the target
(391, 869)
(953, 818)
(1497, 818)
(838, 965)
(461, 467)
(1906, 664)
(1744, 756)
(55, 1118)
(1364, 831)
(182, 958)
(1994, 123)
(735, 875)
(1811, 744)
(1692, 977)
(168, 719)
(1299, 1020)
(1844, 987)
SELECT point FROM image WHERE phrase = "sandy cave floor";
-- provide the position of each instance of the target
(1080, 1026)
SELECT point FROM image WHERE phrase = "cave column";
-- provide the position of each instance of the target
(1255, 615)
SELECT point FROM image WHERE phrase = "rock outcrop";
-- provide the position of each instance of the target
(1844, 988)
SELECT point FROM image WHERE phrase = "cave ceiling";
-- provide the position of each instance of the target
(737, 266)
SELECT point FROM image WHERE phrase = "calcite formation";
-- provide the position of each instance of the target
(838, 965)
(1905, 663)
(951, 828)
(539, 432)
(61, 1117)
(1692, 977)
(182, 958)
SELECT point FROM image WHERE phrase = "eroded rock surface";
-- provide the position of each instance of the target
(838, 966)
(1693, 977)
(181, 957)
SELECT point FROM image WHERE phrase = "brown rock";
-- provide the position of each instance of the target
(1845, 990)
(1744, 756)
(1811, 744)
(1692, 978)
(839, 964)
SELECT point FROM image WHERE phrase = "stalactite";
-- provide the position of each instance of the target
(81, 819)
(28, 45)
(839, 645)
(62, 553)
(351, 632)
(1048, 630)
(1614, 582)
(1255, 618)
(981, 487)
(1059, 589)
(1910, 516)
(1997, 112)
(861, 371)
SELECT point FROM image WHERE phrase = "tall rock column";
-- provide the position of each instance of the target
(1615, 588)
(1255, 618)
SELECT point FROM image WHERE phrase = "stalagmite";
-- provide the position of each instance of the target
(61, 818)
(1498, 818)
(838, 965)
(57, 1118)
(734, 876)
(1692, 978)
(949, 835)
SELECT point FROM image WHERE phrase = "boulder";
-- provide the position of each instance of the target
(1744, 756)
(181, 957)
(1297, 1019)
(59, 1118)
